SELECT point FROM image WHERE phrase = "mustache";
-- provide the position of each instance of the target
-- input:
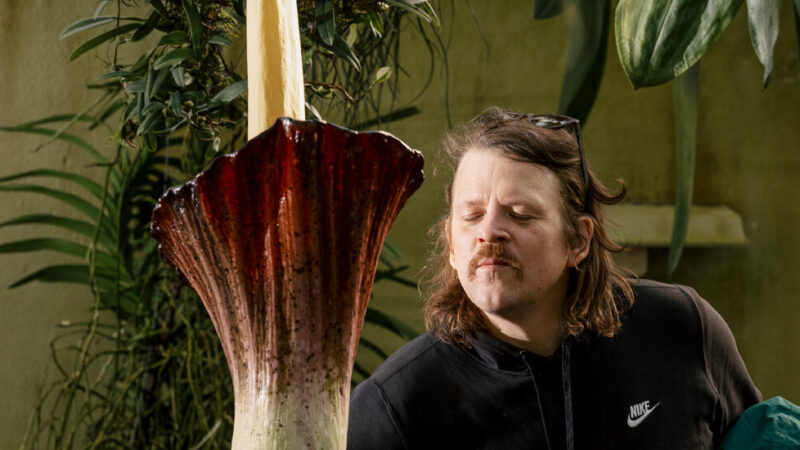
(497, 252)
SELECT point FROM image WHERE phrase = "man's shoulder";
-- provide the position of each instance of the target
(663, 301)
(422, 354)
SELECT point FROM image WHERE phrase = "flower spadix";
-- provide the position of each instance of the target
(281, 242)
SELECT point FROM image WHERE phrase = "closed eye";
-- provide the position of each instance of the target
(520, 216)
(472, 217)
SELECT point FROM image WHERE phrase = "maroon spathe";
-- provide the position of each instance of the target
(281, 241)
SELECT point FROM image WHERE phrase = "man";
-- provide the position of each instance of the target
(536, 339)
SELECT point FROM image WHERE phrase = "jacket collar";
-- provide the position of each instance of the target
(501, 355)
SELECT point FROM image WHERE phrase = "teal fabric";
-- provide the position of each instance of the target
(770, 425)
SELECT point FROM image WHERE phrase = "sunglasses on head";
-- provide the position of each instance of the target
(554, 122)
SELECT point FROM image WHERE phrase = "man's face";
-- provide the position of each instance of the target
(507, 235)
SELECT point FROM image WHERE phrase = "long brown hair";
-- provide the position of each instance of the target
(598, 290)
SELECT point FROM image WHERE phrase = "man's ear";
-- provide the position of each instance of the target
(584, 232)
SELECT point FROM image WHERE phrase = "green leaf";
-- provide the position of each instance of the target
(179, 76)
(219, 39)
(342, 50)
(172, 58)
(159, 8)
(132, 109)
(149, 123)
(178, 37)
(70, 199)
(100, 7)
(545, 9)
(146, 27)
(66, 137)
(390, 323)
(325, 20)
(91, 186)
(313, 111)
(159, 80)
(764, 26)
(382, 74)
(92, 22)
(65, 273)
(78, 226)
(366, 343)
(119, 73)
(135, 87)
(657, 40)
(56, 245)
(95, 41)
(230, 93)
(410, 7)
(95, 121)
(195, 27)
(85, 24)
(376, 22)
(586, 58)
(152, 108)
(685, 103)
(175, 102)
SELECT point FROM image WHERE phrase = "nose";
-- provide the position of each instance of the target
(493, 228)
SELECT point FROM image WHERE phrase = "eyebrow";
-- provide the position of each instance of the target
(534, 204)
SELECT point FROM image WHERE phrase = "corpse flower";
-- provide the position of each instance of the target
(281, 242)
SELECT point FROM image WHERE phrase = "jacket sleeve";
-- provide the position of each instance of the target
(371, 424)
(726, 370)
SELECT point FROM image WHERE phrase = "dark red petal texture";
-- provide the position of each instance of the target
(281, 241)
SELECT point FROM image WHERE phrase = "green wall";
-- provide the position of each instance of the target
(748, 155)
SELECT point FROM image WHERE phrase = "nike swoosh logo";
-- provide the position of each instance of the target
(633, 423)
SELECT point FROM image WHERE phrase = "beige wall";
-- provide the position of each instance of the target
(36, 80)
(748, 158)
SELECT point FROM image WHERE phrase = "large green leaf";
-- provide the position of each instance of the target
(84, 228)
(764, 17)
(70, 199)
(56, 245)
(66, 137)
(97, 40)
(90, 185)
(586, 58)
(67, 273)
(57, 118)
(658, 40)
(685, 105)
